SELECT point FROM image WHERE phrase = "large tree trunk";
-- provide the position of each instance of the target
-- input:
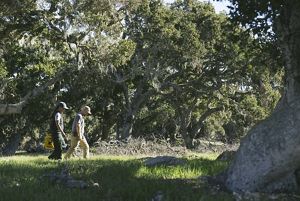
(125, 129)
(133, 105)
(189, 128)
(185, 120)
(125, 124)
(108, 123)
(270, 154)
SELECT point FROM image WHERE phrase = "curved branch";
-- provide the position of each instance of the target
(200, 124)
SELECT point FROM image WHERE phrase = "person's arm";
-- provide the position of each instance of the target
(78, 130)
(60, 129)
(78, 126)
(57, 118)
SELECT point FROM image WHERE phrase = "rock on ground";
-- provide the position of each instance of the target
(164, 160)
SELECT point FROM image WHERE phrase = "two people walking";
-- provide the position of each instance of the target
(78, 132)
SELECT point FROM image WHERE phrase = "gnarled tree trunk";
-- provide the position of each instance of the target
(270, 154)
(190, 128)
(133, 105)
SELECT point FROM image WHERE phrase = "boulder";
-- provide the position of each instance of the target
(164, 160)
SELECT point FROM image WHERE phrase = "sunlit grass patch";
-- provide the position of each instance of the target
(192, 169)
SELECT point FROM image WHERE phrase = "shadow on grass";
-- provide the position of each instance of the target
(119, 180)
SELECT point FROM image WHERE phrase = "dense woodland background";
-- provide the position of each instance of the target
(147, 69)
(173, 73)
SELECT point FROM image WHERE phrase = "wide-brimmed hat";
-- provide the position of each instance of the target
(87, 109)
(63, 105)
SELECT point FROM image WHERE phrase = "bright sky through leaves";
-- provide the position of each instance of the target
(219, 6)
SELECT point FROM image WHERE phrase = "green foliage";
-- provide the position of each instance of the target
(144, 68)
(3, 71)
(259, 16)
(123, 52)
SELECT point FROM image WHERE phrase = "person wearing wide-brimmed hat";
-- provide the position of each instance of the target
(57, 130)
(78, 133)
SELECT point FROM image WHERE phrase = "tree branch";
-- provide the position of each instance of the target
(200, 124)
(7, 109)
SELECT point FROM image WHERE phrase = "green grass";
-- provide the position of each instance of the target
(120, 179)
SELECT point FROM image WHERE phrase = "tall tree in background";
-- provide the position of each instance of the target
(191, 61)
(43, 43)
(268, 157)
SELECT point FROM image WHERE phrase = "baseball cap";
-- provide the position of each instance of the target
(63, 105)
(87, 109)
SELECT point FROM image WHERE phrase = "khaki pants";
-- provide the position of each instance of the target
(75, 141)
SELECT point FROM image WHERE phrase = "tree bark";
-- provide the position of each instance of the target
(126, 127)
(188, 129)
(6, 109)
(199, 124)
(269, 155)
(185, 116)
(108, 123)
(133, 105)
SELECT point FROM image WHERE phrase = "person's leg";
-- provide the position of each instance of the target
(85, 147)
(57, 147)
(62, 141)
(51, 155)
(74, 144)
(54, 153)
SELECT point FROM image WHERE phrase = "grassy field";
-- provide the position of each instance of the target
(119, 179)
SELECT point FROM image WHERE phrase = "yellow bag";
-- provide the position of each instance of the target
(48, 142)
